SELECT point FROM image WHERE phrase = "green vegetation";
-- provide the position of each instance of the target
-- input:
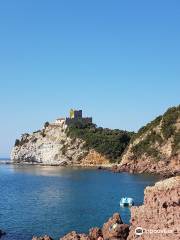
(167, 128)
(176, 143)
(147, 128)
(169, 119)
(110, 143)
(146, 146)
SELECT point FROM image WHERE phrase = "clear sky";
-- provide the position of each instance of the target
(119, 61)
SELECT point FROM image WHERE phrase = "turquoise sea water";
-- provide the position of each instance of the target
(37, 200)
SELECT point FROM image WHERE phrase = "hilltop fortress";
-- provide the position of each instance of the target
(53, 145)
(74, 116)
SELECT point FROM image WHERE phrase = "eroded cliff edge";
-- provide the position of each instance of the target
(51, 145)
(75, 144)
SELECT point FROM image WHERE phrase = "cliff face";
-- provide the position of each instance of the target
(48, 146)
(53, 146)
(156, 147)
(159, 217)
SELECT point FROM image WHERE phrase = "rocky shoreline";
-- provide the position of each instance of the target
(157, 219)
(165, 173)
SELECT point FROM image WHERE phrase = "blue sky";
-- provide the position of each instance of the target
(117, 60)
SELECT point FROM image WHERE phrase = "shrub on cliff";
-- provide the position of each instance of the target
(156, 134)
(110, 143)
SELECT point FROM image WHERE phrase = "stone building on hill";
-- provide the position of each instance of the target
(74, 116)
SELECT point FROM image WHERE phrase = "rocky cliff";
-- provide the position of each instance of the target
(53, 146)
(156, 147)
(159, 217)
(80, 144)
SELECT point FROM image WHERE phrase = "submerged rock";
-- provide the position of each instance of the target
(46, 237)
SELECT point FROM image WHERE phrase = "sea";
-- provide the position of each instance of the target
(39, 200)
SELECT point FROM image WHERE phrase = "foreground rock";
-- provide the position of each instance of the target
(75, 236)
(46, 237)
(112, 229)
(95, 233)
(159, 217)
(156, 147)
(115, 229)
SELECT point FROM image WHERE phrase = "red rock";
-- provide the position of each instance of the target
(46, 237)
(75, 236)
(160, 212)
(115, 229)
(95, 233)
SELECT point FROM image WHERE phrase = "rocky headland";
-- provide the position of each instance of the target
(157, 219)
(155, 148)
(49, 146)
(73, 142)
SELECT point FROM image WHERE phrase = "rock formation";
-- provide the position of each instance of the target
(53, 146)
(75, 236)
(79, 143)
(49, 146)
(114, 228)
(94, 158)
(156, 147)
(46, 237)
(159, 217)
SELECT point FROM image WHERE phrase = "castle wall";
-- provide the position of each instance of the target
(78, 114)
(74, 120)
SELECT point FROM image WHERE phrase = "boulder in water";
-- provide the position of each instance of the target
(46, 237)
(114, 228)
